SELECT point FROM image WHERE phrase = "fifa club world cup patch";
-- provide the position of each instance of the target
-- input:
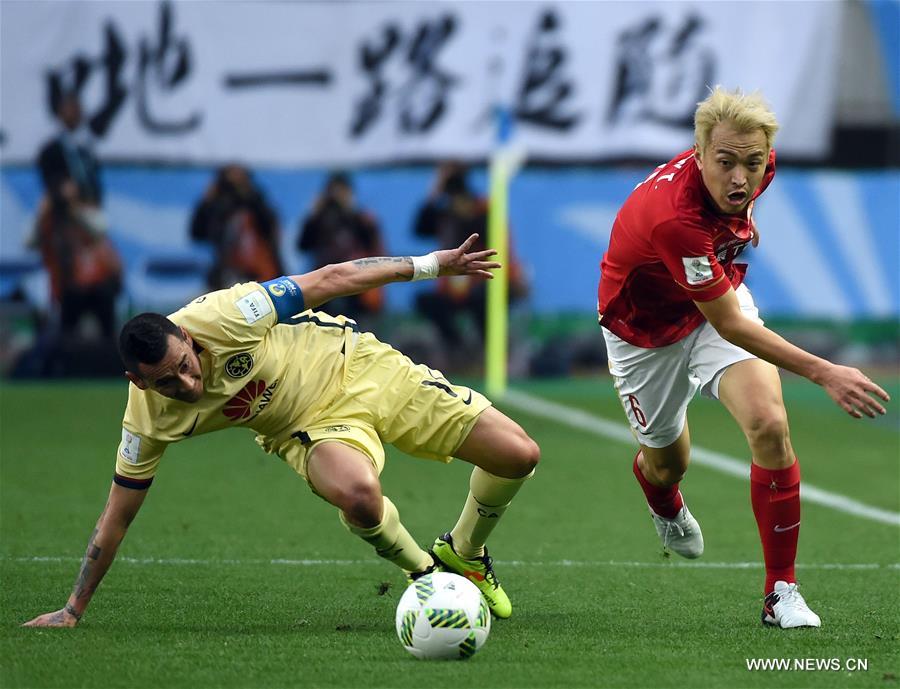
(286, 296)
(239, 365)
(254, 306)
(697, 269)
(130, 447)
(281, 286)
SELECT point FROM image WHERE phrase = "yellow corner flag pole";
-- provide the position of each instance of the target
(496, 346)
(505, 162)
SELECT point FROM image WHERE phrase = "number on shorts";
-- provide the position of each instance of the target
(637, 411)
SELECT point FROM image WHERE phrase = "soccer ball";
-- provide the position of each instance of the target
(442, 615)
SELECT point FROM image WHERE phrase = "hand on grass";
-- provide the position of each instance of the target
(60, 618)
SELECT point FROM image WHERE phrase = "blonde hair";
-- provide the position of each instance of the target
(746, 113)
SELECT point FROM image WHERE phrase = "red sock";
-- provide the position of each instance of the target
(666, 502)
(775, 494)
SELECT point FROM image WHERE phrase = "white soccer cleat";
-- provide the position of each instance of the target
(681, 534)
(785, 608)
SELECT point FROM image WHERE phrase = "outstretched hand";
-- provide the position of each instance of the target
(459, 262)
(854, 392)
(60, 618)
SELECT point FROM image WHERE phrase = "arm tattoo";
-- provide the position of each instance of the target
(374, 260)
(90, 558)
(378, 260)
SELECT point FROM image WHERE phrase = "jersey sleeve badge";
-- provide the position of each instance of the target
(254, 306)
(130, 447)
(697, 269)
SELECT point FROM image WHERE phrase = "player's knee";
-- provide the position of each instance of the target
(531, 455)
(361, 502)
(523, 456)
(767, 431)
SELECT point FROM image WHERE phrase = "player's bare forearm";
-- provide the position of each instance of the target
(772, 347)
(353, 277)
(99, 555)
(364, 274)
(121, 508)
(848, 387)
(101, 550)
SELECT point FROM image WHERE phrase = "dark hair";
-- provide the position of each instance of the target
(144, 340)
(339, 178)
(59, 94)
(456, 183)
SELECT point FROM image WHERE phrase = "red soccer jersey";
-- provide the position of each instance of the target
(669, 247)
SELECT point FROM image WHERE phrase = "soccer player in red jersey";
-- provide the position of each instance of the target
(677, 318)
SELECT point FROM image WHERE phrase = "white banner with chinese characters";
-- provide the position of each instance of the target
(327, 83)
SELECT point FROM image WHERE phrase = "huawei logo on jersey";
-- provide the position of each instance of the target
(250, 401)
(238, 407)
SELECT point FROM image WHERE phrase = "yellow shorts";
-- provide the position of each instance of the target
(387, 398)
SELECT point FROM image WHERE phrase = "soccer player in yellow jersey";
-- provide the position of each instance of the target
(323, 397)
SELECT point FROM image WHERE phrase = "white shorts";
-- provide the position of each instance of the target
(655, 385)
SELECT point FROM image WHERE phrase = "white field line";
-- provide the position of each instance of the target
(581, 420)
(678, 564)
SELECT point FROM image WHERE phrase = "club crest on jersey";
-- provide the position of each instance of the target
(239, 365)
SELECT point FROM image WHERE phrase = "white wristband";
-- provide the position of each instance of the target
(426, 267)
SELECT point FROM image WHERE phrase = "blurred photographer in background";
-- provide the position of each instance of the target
(84, 268)
(456, 307)
(237, 220)
(70, 230)
(338, 230)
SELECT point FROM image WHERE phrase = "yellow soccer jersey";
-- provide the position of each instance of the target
(261, 367)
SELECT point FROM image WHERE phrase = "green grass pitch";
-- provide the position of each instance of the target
(235, 575)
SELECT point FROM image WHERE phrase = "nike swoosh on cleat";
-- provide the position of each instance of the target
(782, 529)
(193, 426)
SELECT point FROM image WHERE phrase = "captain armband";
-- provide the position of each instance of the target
(286, 296)
(426, 267)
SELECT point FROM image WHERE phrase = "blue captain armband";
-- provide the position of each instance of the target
(286, 296)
